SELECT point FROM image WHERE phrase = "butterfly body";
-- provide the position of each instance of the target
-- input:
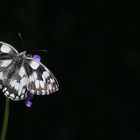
(20, 57)
(20, 74)
(16, 64)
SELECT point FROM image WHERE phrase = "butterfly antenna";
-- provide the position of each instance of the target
(30, 50)
(40, 50)
(21, 39)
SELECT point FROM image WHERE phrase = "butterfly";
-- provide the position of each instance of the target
(20, 74)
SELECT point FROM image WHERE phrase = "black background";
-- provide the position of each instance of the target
(93, 50)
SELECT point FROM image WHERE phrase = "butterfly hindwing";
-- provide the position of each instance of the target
(16, 87)
(41, 79)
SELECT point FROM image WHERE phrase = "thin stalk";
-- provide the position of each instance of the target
(6, 117)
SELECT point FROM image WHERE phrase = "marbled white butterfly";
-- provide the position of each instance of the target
(20, 74)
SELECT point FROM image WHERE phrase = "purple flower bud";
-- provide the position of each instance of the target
(28, 103)
(37, 58)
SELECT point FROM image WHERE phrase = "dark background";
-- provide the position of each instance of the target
(93, 50)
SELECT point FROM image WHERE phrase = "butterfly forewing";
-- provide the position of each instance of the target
(7, 52)
(6, 48)
(41, 79)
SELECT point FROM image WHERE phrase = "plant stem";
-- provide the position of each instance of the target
(6, 117)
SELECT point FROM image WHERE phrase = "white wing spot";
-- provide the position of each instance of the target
(22, 72)
(50, 87)
(1, 75)
(5, 89)
(42, 84)
(22, 96)
(34, 65)
(32, 91)
(48, 92)
(17, 98)
(13, 82)
(51, 80)
(5, 63)
(31, 78)
(37, 92)
(17, 86)
(5, 49)
(37, 83)
(53, 89)
(43, 92)
(20, 89)
(23, 90)
(45, 74)
(7, 93)
(0, 86)
(12, 96)
(24, 81)
(34, 75)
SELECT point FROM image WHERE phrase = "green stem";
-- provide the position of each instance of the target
(5, 123)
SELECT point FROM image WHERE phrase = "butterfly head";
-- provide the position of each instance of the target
(20, 56)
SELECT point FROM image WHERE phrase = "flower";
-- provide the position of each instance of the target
(28, 101)
(37, 58)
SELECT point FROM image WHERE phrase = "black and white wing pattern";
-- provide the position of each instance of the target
(41, 79)
(20, 75)
(16, 87)
(7, 52)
